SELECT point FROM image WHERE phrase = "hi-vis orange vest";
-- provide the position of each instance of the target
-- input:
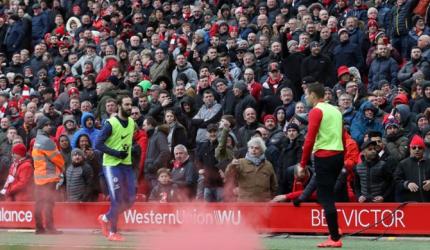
(48, 161)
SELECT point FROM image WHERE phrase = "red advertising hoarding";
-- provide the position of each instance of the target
(386, 218)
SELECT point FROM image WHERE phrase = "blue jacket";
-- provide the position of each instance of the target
(15, 37)
(360, 124)
(382, 69)
(349, 54)
(39, 26)
(91, 132)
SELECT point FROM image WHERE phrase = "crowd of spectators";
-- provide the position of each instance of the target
(219, 95)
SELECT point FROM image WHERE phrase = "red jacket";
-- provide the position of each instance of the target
(141, 139)
(21, 189)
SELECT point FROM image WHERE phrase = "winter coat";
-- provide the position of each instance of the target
(349, 54)
(401, 21)
(204, 117)
(373, 179)
(39, 26)
(290, 155)
(178, 135)
(327, 47)
(320, 67)
(255, 183)
(407, 124)
(96, 60)
(382, 69)
(185, 177)
(270, 94)
(205, 159)
(242, 103)
(405, 74)
(416, 171)
(162, 68)
(188, 71)
(157, 153)
(21, 189)
(245, 132)
(361, 124)
(79, 186)
(14, 37)
(164, 193)
(91, 132)
(397, 145)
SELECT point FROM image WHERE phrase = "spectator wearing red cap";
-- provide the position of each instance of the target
(18, 186)
(275, 132)
(413, 174)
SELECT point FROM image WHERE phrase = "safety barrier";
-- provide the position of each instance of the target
(389, 218)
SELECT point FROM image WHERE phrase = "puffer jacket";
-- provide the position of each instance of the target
(158, 153)
(416, 171)
(401, 18)
(373, 179)
(382, 69)
(406, 73)
(397, 145)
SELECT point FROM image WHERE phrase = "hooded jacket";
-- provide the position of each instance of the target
(406, 122)
(91, 132)
(188, 71)
(361, 124)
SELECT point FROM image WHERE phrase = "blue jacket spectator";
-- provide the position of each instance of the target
(14, 34)
(86, 128)
(365, 120)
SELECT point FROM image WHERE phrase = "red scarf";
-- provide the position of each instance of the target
(3, 109)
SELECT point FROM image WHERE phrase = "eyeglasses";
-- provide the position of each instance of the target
(416, 148)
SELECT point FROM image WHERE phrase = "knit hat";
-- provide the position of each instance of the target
(200, 33)
(292, 125)
(392, 122)
(241, 85)
(77, 151)
(367, 144)
(341, 31)
(405, 87)
(68, 118)
(417, 141)
(291, 43)
(269, 117)
(19, 149)
(372, 23)
(401, 99)
(42, 122)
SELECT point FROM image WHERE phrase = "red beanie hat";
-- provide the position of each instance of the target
(417, 141)
(269, 117)
(19, 149)
(342, 70)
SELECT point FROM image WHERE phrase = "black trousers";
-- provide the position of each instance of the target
(327, 171)
(44, 206)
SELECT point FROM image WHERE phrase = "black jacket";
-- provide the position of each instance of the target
(373, 179)
(411, 170)
(321, 68)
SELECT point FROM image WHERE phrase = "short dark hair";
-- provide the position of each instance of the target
(120, 99)
(317, 89)
(151, 121)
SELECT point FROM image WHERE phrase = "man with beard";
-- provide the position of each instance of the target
(396, 143)
(412, 174)
(373, 178)
(318, 66)
(383, 67)
(79, 177)
(417, 63)
(115, 141)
